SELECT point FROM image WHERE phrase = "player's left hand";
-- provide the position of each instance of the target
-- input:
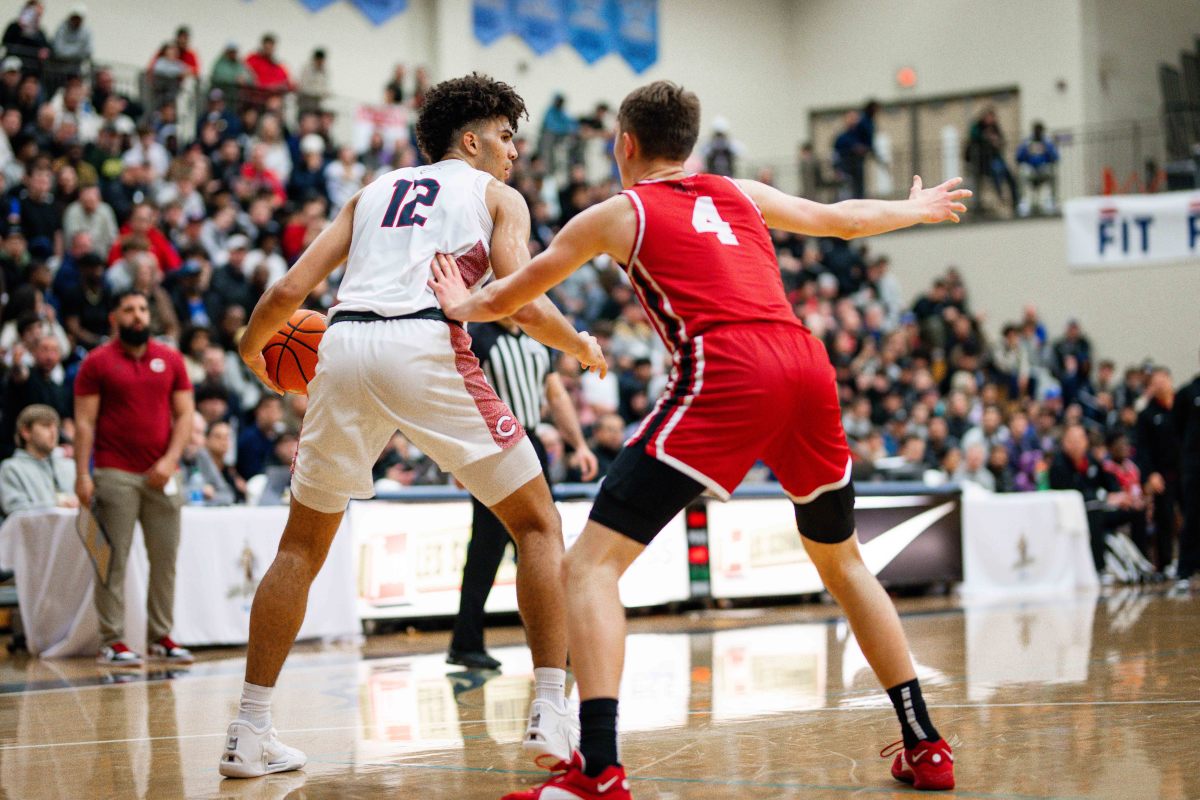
(258, 365)
(160, 472)
(586, 461)
(591, 355)
(447, 283)
(942, 203)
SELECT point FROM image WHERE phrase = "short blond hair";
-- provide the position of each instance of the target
(34, 414)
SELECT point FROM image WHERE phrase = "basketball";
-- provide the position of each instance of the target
(291, 354)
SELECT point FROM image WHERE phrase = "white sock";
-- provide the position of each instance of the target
(550, 684)
(255, 705)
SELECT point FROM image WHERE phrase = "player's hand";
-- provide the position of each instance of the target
(590, 356)
(941, 203)
(447, 283)
(586, 461)
(258, 365)
(85, 489)
(160, 473)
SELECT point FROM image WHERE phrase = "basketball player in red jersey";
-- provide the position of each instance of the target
(749, 383)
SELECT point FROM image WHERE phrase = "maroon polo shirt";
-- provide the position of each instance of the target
(133, 426)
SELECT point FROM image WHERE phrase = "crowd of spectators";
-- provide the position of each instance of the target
(103, 192)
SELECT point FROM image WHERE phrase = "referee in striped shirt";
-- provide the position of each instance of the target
(518, 368)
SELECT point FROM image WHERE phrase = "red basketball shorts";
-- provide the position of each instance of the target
(748, 393)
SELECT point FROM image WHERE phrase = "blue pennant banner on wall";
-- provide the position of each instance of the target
(589, 28)
(541, 23)
(317, 5)
(637, 32)
(594, 28)
(492, 19)
(380, 11)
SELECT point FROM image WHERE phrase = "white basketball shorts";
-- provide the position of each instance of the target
(417, 376)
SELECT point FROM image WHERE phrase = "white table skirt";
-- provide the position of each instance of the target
(1025, 544)
(223, 553)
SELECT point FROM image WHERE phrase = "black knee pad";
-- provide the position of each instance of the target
(640, 495)
(829, 519)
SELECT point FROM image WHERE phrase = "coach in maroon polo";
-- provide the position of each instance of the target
(133, 412)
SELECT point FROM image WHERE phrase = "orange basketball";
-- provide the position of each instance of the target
(291, 354)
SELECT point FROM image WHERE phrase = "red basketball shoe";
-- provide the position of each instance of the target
(928, 766)
(570, 783)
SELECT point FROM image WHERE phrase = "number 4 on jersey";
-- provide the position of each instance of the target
(705, 219)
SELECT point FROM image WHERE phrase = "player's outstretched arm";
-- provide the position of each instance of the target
(509, 254)
(597, 230)
(851, 219)
(279, 302)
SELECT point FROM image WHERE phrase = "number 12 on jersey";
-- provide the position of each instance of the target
(427, 192)
(705, 219)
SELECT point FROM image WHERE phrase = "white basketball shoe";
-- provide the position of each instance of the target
(251, 753)
(553, 733)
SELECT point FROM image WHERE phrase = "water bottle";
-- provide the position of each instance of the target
(195, 488)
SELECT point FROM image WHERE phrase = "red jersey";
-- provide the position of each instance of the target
(133, 425)
(703, 257)
(749, 382)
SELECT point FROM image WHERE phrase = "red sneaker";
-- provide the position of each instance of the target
(571, 782)
(928, 766)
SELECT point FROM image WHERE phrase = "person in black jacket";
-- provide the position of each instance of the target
(1158, 459)
(25, 39)
(1074, 467)
(1186, 417)
(44, 382)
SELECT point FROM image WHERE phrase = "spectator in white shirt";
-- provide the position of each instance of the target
(343, 178)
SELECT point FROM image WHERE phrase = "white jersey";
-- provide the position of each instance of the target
(401, 221)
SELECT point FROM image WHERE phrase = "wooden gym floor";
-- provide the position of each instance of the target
(1064, 698)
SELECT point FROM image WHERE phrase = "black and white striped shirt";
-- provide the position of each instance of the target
(516, 365)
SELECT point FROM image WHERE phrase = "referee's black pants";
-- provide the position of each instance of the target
(489, 537)
(1164, 524)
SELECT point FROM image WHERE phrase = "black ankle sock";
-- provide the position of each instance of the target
(598, 734)
(914, 719)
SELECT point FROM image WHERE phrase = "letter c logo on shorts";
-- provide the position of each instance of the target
(506, 431)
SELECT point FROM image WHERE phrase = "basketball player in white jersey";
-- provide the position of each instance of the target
(390, 360)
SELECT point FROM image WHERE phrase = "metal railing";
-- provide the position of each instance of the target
(188, 95)
(1130, 157)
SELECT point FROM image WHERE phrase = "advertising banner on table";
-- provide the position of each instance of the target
(906, 541)
(1132, 230)
(542, 24)
(491, 19)
(1027, 544)
(411, 555)
(589, 28)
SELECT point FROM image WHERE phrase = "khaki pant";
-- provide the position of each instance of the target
(123, 499)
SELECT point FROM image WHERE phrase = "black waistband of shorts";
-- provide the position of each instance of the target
(435, 314)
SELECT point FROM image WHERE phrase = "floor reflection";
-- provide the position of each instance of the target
(1090, 696)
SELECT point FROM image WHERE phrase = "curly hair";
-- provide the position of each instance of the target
(455, 104)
